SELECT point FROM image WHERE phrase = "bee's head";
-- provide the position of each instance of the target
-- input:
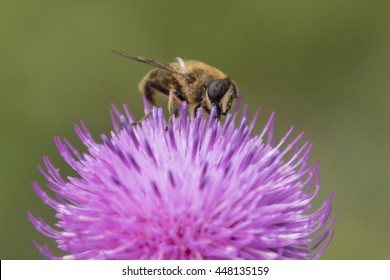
(221, 94)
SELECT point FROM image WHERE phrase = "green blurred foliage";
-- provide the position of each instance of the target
(321, 65)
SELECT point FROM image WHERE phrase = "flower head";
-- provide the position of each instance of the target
(193, 189)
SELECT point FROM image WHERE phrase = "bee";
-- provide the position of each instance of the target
(199, 84)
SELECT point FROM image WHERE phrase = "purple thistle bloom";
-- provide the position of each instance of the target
(200, 189)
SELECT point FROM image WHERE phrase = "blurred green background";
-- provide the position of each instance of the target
(321, 65)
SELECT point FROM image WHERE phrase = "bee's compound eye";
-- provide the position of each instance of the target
(217, 89)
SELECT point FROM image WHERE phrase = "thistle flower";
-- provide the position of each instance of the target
(193, 189)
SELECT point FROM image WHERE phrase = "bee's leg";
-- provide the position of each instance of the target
(192, 110)
(173, 101)
(148, 91)
(142, 119)
(171, 105)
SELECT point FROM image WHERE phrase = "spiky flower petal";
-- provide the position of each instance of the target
(193, 189)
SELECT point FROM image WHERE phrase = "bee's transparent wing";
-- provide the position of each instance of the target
(153, 62)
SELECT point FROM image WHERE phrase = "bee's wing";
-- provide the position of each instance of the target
(153, 62)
